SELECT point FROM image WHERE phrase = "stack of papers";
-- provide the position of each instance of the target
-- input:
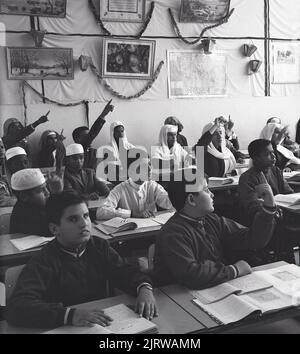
(28, 242)
(287, 199)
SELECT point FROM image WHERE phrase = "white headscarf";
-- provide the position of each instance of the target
(225, 154)
(268, 132)
(162, 151)
(123, 142)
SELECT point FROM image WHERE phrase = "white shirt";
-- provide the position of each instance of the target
(128, 197)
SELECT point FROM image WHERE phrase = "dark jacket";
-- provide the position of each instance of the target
(54, 280)
(198, 254)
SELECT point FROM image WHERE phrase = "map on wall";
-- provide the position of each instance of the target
(194, 74)
(286, 63)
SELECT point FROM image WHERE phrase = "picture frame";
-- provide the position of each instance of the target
(285, 62)
(31, 63)
(122, 10)
(194, 74)
(50, 8)
(128, 58)
(203, 11)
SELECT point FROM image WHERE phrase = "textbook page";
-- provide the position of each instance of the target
(163, 217)
(231, 309)
(289, 199)
(285, 278)
(32, 241)
(241, 285)
(269, 300)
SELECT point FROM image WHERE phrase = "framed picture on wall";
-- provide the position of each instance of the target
(49, 8)
(126, 58)
(26, 63)
(122, 10)
(194, 74)
(203, 10)
(286, 63)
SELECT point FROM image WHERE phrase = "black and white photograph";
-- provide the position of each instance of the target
(203, 10)
(40, 63)
(150, 176)
(47, 8)
(124, 58)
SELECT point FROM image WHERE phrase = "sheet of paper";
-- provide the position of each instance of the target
(28, 242)
(163, 217)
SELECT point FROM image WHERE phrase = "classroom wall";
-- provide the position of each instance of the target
(143, 117)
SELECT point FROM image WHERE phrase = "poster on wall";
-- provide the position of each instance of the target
(286, 63)
(122, 10)
(49, 8)
(203, 10)
(126, 58)
(194, 74)
(26, 63)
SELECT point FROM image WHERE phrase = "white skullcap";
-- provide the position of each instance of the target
(74, 149)
(51, 133)
(15, 151)
(27, 179)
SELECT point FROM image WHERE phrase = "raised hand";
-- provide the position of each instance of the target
(44, 118)
(108, 108)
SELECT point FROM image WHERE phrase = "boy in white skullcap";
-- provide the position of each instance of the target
(16, 159)
(82, 180)
(28, 216)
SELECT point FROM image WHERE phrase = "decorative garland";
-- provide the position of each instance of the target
(177, 30)
(108, 33)
(119, 95)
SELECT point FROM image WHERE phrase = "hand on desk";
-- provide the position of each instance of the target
(265, 195)
(84, 317)
(146, 304)
(243, 268)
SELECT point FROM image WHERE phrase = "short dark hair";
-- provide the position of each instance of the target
(177, 192)
(57, 203)
(256, 147)
(76, 132)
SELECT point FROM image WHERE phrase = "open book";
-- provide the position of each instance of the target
(292, 176)
(117, 225)
(125, 321)
(243, 285)
(284, 293)
(287, 199)
(28, 242)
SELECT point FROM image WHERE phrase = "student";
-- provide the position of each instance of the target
(137, 197)
(73, 268)
(82, 180)
(181, 139)
(263, 171)
(196, 248)
(284, 157)
(28, 215)
(15, 134)
(218, 159)
(168, 150)
(16, 159)
(46, 155)
(85, 137)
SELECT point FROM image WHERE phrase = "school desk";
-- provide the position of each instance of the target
(172, 318)
(183, 298)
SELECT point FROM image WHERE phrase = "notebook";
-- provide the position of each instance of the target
(117, 225)
(28, 242)
(219, 181)
(125, 321)
(292, 176)
(284, 293)
(243, 285)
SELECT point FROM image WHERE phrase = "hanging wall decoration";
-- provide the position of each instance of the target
(194, 74)
(220, 22)
(122, 10)
(108, 33)
(50, 8)
(286, 62)
(126, 58)
(26, 63)
(203, 10)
